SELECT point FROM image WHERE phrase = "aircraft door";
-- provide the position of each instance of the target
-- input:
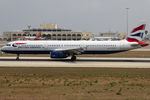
(44, 46)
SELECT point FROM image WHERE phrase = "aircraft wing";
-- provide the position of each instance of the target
(74, 50)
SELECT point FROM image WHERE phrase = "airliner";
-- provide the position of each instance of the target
(38, 37)
(64, 49)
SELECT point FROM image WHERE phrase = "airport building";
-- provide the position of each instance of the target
(1, 38)
(48, 32)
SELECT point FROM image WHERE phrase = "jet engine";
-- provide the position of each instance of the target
(55, 54)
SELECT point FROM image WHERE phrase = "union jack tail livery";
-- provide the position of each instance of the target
(137, 34)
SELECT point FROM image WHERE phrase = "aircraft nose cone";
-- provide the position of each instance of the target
(3, 49)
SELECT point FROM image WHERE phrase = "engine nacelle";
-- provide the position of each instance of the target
(55, 54)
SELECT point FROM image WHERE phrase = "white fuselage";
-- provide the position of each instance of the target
(90, 47)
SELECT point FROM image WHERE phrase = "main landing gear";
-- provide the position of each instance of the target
(73, 58)
(17, 58)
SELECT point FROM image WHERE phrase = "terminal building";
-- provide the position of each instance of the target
(1, 38)
(48, 32)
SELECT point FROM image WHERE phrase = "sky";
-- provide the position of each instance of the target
(79, 15)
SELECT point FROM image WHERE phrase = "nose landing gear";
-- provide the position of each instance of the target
(17, 58)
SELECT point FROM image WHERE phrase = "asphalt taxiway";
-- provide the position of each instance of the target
(81, 62)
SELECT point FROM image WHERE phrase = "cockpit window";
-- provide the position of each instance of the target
(8, 44)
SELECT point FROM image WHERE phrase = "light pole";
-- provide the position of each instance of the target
(127, 20)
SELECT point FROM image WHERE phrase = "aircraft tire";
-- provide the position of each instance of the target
(73, 58)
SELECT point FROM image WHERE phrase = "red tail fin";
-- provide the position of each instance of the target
(38, 36)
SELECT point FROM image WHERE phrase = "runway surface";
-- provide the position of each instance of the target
(81, 62)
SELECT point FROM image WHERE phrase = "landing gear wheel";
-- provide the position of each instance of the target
(17, 58)
(73, 58)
